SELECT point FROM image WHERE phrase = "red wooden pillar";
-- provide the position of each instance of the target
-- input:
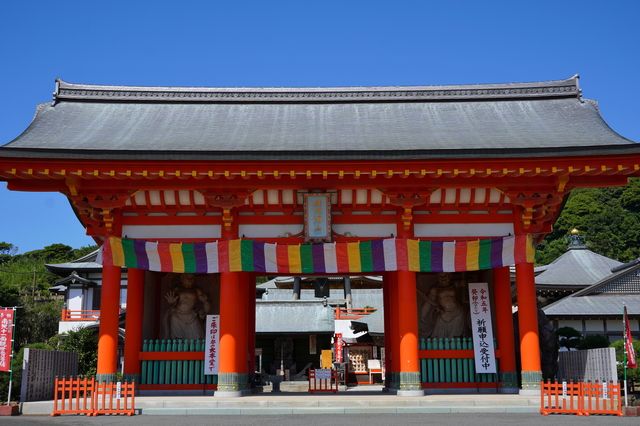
(232, 375)
(251, 323)
(108, 332)
(407, 317)
(386, 289)
(133, 324)
(528, 327)
(392, 332)
(504, 329)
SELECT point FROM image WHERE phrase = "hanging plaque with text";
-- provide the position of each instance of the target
(212, 340)
(317, 217)
(482, 328)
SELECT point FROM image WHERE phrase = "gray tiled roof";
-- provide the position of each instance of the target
(601, 304)
(576, 268)
(497, 120)
(606, 297)
(293, 317)
(86, 263)
(276, 303)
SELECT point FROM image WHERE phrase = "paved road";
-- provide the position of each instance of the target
(332, 420)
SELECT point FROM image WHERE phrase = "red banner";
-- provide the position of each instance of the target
(6, 334)
(628, 342)
(338, 345)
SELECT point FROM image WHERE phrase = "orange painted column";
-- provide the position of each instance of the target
(394, 337)
(133, 324)
(251, 323)
(407, 311)
(504, 329)
(386, 289)
(108, 332)
(528, 327)
(232, 373)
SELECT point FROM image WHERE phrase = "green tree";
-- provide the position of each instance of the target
(632, 373)
(608, 218)
(84, 342)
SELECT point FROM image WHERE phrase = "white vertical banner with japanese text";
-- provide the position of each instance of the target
(211, 344)
(6, 336)
(482, 328)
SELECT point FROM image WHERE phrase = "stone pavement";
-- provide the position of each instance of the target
(371, 402)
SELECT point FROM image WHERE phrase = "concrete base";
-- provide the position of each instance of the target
(410, 393)
(352, 402)
(529, 392)
(190, 392)
(510, 391)
(232, 394)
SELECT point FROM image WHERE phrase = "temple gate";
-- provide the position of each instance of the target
(401, 182)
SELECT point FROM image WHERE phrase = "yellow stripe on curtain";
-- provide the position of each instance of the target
(295, 264)
(473, 255)
(235, 257)
(413, 255)
(177, 260)
(117, 253)
(353, 254)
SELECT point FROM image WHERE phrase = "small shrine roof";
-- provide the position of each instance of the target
(577, 268)
(419, 122)
(84, 264)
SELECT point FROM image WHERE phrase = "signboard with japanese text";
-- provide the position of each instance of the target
(317, 217)
(6, 335)
(212, 343)
(482, 328)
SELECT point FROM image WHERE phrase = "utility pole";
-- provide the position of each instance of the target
(33, 286)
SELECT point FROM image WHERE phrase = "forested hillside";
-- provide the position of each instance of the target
(24, 282)
(608, 218)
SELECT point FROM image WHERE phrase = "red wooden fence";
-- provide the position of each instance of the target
(582, 399)
(321, 384)
(77, 395)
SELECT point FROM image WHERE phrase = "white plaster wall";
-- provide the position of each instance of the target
(88, 299)
(463, 229)
(65, 326)
(577, 324)
(171, 231)
(366, 229)
(615, 325)
(594, 325)
(268, 231)
(74, 301)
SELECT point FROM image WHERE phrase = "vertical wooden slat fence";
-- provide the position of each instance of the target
(601, 398)
(449, 362)
(582, 399)
(77, 395)
(174, 362)
(317, 384)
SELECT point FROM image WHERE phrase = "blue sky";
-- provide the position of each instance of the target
(296, 43)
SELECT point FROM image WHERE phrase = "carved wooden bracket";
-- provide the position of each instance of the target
(227, 201)
(97, 209)
(407, 200)
(536, 206)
